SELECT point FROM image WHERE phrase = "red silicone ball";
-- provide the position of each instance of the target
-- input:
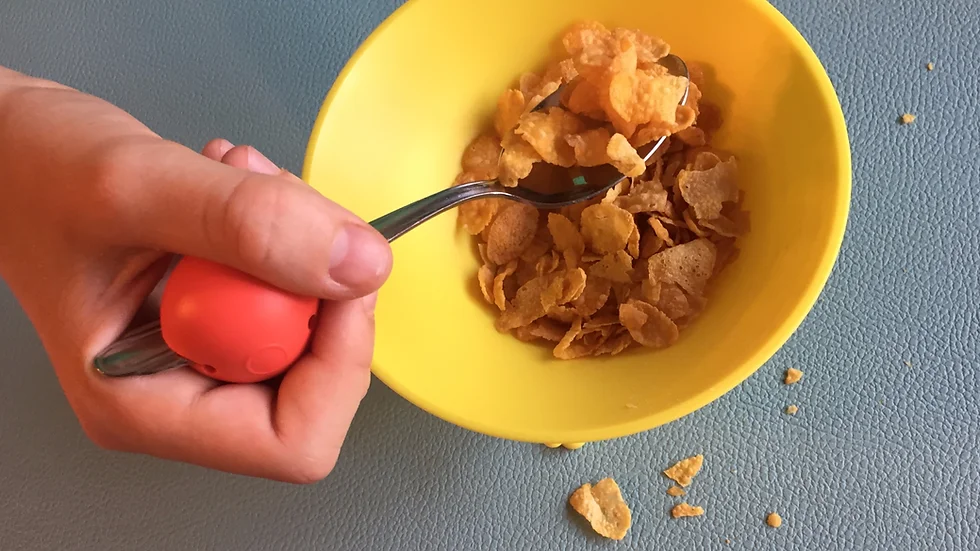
(232, 326)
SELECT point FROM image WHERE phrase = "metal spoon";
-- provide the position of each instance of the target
(588, 183)
(142, 350)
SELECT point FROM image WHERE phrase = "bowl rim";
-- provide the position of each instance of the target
(806, 301)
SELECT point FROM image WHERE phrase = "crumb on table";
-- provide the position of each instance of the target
(930, 66)
(908, 118)
(684, 470)
(793, 375)
(603, 507)
(774, 520)
(791, 409)
(676, 491)
(685, 510)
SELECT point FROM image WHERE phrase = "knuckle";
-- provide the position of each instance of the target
(252, 219)
(111, 168)
(255, 218)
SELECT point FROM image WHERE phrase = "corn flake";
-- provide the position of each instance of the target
(547, 133)
(648, 326)
(656, 100)
(603, 507)
(567, 348)
(672, 301)
(689, 265)
(499, 297)
(645, 197)
(510, 106)
(593, 297)
(485, 276)
(517, 160)
(793, 375)
(683, 471)
(527, 305)
(682, 510)
(707, 190)
(482, 156)
(633, 242)
(616, 267)
(622, 156)
(606, 227)
(567, 239)
(511, 233)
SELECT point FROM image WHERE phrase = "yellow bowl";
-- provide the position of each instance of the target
(394, 126)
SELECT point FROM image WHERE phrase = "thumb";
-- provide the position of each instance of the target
(271, 225)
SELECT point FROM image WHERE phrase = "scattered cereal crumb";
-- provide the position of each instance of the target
(684, 470)
(793, 375)
(930, 66)
(676, 491)
(908, 364)
(728, 541)
(603, 506)
(573, 445)
(774, 520)
(791, 409)
(685, 510)
(907, 118)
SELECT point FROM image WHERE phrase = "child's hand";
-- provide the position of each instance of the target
(93, 203)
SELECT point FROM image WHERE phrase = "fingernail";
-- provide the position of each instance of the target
(258, 162)
(359, 257)
(217, 148)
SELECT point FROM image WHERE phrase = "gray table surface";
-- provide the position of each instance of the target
(882, 455)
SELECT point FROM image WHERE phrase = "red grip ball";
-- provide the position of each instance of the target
(231, 326)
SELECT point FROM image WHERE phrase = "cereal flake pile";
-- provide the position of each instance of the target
(631, 267)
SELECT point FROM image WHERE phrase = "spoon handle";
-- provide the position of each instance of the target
(396, 223)
(143, 351)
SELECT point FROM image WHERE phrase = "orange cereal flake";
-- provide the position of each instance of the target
(682, 510)
(603, 507)
(792, 376)
(683, 471)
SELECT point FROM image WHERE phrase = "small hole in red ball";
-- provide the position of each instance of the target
(209, 369)
(312, 323)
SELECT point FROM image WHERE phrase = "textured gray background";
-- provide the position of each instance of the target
(881, 455)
